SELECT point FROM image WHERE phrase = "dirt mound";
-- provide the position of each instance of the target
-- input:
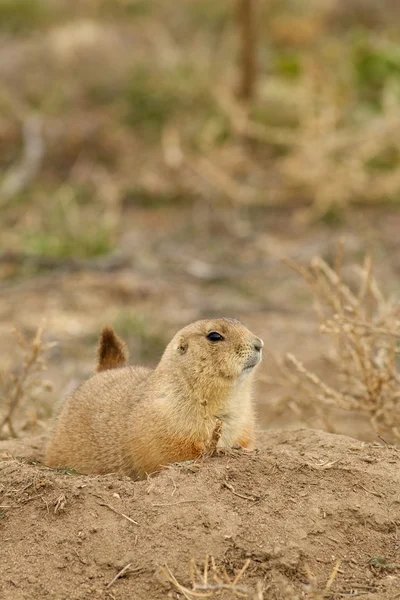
(295, 507)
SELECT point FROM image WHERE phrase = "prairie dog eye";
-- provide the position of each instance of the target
(214, 336)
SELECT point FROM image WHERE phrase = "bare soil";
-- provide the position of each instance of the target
(304, 500)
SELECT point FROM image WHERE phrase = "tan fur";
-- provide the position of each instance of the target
(135, 421)
(112, 352)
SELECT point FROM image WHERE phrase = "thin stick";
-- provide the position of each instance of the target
(379, 495)
(118, 513)
(193, 569)
(174, 503)
(232, 489)
(118, 575)
(387, 444)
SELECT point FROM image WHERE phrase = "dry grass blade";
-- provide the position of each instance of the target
(235, 493)
(118, 513)
(120, 574)
(242, 570)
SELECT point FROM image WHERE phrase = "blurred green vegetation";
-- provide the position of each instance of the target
(18, 16)
(377, 66)
(125, 9)
(136, 93)
(65, 224)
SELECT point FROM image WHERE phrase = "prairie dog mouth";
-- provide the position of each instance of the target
(253, 361)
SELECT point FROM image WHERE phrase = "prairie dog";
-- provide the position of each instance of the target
(135, 421)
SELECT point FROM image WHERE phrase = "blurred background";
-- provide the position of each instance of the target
(159, 158)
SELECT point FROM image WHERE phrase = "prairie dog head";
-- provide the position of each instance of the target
(215, 350)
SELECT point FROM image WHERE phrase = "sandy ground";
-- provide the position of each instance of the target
(304, 501)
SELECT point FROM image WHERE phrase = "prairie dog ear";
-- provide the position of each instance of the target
(182, 345)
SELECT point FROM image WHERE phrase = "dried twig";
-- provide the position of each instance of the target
(118, 513)
(211, 447)
(363, 328)
(15, 387)
(235, 493)
(118, 575)
(60, 503)
(176, 503)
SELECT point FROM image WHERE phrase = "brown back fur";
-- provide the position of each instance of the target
(135, 421)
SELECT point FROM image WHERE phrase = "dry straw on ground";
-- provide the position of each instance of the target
(212, 580)
(364, 333)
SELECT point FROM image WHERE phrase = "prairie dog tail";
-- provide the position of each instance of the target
(112, 352)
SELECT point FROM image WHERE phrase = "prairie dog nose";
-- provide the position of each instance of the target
(258, 344)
